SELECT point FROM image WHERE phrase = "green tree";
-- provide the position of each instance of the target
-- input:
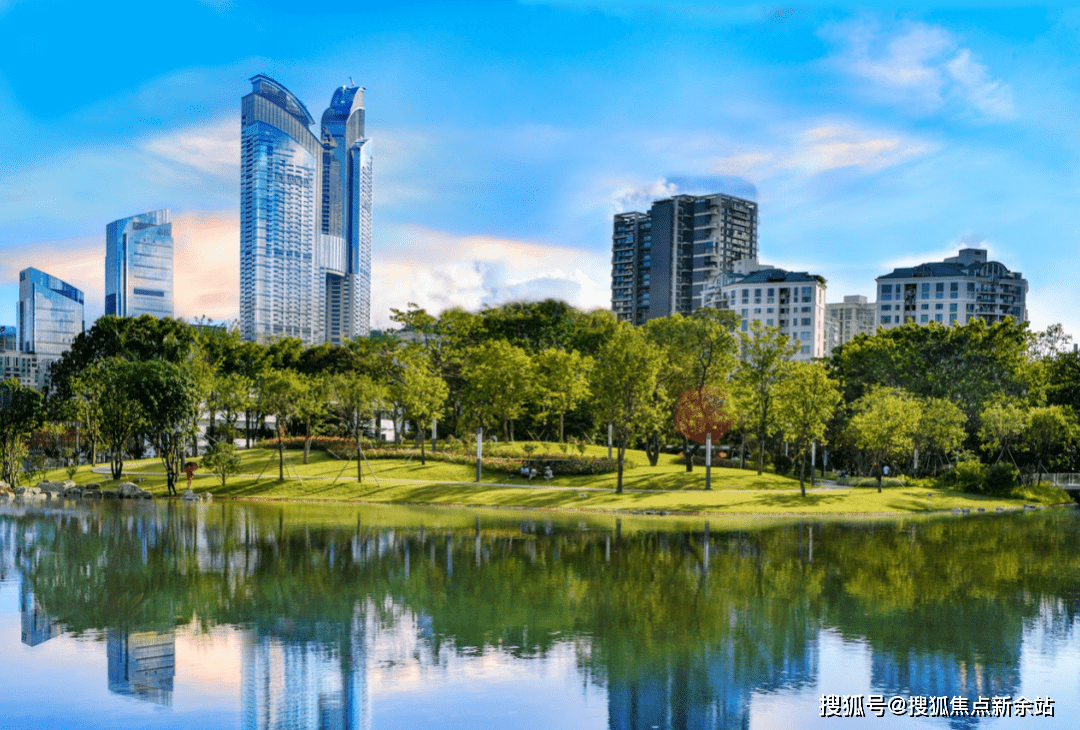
(624, 385)
(1001, 424)
(231, 395)
(22, 411)
(311, 407)
(1048, 428)
(805, 401)
(941, 429)
(170, 396)
(222, 460)
(362, 398)
(105, 398)
(498, 384)
(279, 392)
(562, 381)
(885, 424)
(766, 352)
(422, 394)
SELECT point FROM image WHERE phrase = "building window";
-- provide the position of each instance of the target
(952, 318)
(954, 290)
(805, 336)
(806, 351)
(938, 306)
(925, 318)
(806, 309)
(744, 323)
(805, 321)
(937, 317)
(886, 319)
(769, 310)
(952, 308)
(769, 322)
(744, 312)
(926, 306)
(757, 310)
(939, 290)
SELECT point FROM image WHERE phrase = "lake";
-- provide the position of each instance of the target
(265, 615)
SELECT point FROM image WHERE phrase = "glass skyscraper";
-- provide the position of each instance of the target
(305, 217)
(50, 313)
(139, 265)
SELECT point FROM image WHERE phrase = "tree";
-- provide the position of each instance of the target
(422, 394)
(223, 460)
(279, 391)
(699, 351)
(562, 381)
(765, 355)
(498, 384)
(941, 428)
(361, 397)
(885, 424)
(1002, 423)
(1048, 427)
(805, 401)
(703, 414)
(22, 410)
(105, 398)
(311, 406)
(170, 397)
(624, 382)
(231, 395)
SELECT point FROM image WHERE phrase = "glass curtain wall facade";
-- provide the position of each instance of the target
(50, 313)
(305, 224)
(139, 265)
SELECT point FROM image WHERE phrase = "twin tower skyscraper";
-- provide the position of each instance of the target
(305, 217)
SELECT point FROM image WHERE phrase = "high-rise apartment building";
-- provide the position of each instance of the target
(305, 218)
(793, 301)
(139, 265)
(956, 290)
(844, 320)
(662, 260)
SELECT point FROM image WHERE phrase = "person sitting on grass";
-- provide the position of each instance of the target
(548, 474)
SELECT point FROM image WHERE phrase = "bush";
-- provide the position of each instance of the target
(223, 460)
(1002, 479)
(870, 482)
(969, 475)
(782, 464)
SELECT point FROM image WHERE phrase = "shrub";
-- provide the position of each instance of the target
(222, 460)
(969, 475)
(782, 464)
(1002, 479)
(870, 482)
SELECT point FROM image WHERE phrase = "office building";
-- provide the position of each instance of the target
(9, 337)
(844, 320)
(139, 265)
(794, 301)
(956, 290)
(50, 314)
(662, 260)
(142, 664)
(305, 218)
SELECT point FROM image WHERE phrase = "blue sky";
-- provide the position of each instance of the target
(507, 134)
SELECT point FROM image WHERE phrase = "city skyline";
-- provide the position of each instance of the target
(869, 139)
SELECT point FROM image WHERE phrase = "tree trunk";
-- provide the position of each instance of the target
(802, 475)
(117, 464)
(688, 454)
(359, 460)
(742, 451)
(561, 437)
(652, 449)
(761, 452)
(422, 439)
(307, 445)
(622, 451)
(281, 454)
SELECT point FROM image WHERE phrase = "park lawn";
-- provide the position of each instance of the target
(432, 486)
(669, 473)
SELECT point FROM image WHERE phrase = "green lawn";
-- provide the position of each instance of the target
(399, 481)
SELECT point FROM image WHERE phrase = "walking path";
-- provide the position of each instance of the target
(825, 486)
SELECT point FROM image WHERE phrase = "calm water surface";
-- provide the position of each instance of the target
(262, 616)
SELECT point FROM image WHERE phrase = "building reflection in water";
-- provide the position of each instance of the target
(37, 626)
(142, 664)
(306, 675)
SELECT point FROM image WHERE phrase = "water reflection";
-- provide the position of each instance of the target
(683, 629)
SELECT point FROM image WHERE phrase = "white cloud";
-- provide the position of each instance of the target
(919, 66)
(213, 148)
(439, 270)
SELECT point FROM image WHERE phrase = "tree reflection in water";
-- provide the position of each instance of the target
(680, 626)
